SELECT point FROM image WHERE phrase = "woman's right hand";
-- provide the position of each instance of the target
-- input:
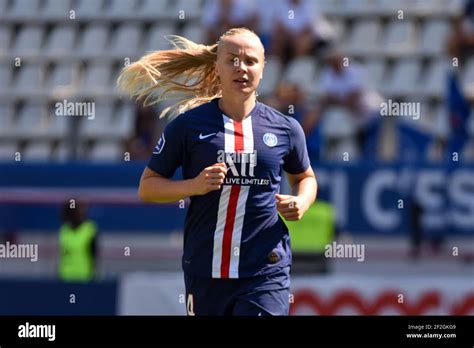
(210, 179)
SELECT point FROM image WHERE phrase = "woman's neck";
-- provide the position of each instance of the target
(237, 109)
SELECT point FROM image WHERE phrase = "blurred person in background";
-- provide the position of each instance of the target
(232, 150)
(294, 33)
(77, 244)
(342, 85)
(461, 41)
(221, 15)
(142, 142)
(290, 99)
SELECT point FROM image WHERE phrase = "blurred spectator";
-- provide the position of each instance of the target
(77, 244)
(458, 111)
(342, 85)
(294, 31)
(143, 140)
(222, 15)
(289, 99)
(461, 41)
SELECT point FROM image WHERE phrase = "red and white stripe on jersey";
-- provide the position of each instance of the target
(232, 202)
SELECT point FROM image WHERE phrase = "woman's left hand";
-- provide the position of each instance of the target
(290, 207)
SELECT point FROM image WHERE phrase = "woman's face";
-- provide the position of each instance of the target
(239, 65)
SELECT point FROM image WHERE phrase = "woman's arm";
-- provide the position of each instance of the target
(156, 188)
(305, 187)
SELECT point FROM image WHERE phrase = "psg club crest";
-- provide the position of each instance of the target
(160, 145)
(270, 139)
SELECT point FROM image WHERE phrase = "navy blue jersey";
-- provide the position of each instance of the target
(236, 231)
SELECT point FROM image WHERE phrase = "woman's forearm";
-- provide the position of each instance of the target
(163, 190)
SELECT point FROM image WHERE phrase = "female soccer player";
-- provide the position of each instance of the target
(232, 149)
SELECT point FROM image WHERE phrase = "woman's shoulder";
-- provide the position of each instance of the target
(274, 115)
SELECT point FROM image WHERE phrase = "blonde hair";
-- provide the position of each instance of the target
(186, 73)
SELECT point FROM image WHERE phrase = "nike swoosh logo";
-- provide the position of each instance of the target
(205, 136)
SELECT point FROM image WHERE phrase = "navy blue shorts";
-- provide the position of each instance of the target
(255, 296)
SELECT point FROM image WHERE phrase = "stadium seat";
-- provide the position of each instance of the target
(192, 9)
(107, 151)
(100, 126)
(24, 9)
(97, 78)
(29, 41)
(5, 77)
(89, 9)
(364, 39)
(374, 73)
(433, 37)
(126, 40)
(435, 78)
(156, 9)
(404, 79)
(60, 42)
(439, 121)
(195, 32)
(337, 123)
(5, 35)
(156, 38)
(301, 71)
(7, 151)
(400, 38)
(31, 121)
(63, 79)
(271, 76)
(6, 118)
(121, 9)
(344, 150)
(28, 81)
(467, 77)
(124, 121)
(93, 41)
(36, 151)
(56, 9)
(57, 125)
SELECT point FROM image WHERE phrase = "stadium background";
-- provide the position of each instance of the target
(53, 51)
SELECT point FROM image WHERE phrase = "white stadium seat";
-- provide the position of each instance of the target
(337, 123)
(435, 80)
(31, 121)
(24, 9)
(94, 40)
(100, 126)
(468, 77)
(301, 71)
(400, 38)
(374, 73)
(126, 40)
(64, 76)
(6, 119)
(97, 78)
(404, 79)
(195, 32)
(37, 151)
(61, 41)
(186, 9)
(433, 37)
(29, 78)
(364, 38)
(8, 150)
(121, 9)
(56, 9)
(271, 76)
(156, 38)
(156, 9)
(5, 36)
(5, 77)
(89, 9)
(28, 41)
(107, 151)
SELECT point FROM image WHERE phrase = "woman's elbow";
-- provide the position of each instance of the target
(142, 193)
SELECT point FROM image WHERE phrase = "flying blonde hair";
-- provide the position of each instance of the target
(186, 73)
